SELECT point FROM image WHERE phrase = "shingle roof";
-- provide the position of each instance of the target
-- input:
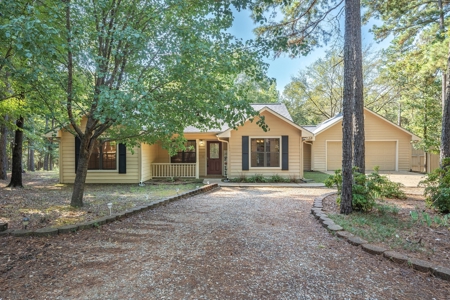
(327, 123)
(279, 108)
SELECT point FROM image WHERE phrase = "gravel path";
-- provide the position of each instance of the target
(234, 243)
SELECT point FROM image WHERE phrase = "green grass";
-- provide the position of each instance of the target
(377, 228)
(316, 176)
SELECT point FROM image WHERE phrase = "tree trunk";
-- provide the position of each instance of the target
(16, 172)
(81, 172)
(359, 151)
(3, 150)
(445, 133)
(350, 87)
(31, 156)
(46, 167)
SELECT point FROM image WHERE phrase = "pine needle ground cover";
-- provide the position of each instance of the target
(47, 203)
(404, 225)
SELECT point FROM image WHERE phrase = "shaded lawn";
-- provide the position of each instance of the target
(316, 176)
(47, 203)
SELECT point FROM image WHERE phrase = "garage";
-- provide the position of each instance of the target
(378, 153)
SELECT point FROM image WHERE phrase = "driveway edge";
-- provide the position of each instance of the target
(54, 231)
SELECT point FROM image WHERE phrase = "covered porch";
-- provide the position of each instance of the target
(204, 157)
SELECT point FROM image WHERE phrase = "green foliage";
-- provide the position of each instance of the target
(259, 178)
(437, 188)
(365, 189)
(384, 209)
(277, 178)
(363, 198)
(385, 188)
(426, 219)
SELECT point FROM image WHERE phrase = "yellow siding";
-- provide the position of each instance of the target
(148, 154)
(306, 156)
(376, 129)
(278, 127)
(67, 165)
(201, 149)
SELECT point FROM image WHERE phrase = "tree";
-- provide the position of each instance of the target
(3, 149)
(315, 94)
(354, 26)
(264, 91)
(16, 174)
(351, 97)
(407, 20)
(142, 71)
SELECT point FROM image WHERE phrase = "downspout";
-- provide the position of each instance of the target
(228, 153)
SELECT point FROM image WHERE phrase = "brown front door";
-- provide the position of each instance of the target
(214, 158)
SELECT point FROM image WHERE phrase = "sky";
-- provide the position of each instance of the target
(283, 68)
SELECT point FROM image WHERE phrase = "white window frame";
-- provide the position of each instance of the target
(250, 152)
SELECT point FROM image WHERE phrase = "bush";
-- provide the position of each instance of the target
(277, 178)
(366, 189)
(363, 199)
(385, 188)
(437, 188)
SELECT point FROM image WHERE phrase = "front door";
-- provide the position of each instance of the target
(214, 158)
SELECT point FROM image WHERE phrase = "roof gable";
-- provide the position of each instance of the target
(282, 113)
(336, 119)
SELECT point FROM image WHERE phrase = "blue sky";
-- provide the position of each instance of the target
(283, 68)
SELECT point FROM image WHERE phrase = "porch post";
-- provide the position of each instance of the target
(197, 159)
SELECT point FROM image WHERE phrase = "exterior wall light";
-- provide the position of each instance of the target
(25, 222)
(201, 143)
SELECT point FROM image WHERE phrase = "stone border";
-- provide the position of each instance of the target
(416, 264)
(52, 231)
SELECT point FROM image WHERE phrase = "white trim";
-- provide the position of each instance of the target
(250, 137)
(197, 158)
(388, 140)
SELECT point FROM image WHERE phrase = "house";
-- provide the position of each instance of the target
(387, 145)
(226, 152)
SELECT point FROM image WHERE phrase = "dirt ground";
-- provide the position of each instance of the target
(233, 243)
(429, 243)
(47, 203)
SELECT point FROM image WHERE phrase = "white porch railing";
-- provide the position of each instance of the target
(173, 170)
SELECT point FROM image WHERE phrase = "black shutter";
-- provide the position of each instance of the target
(285, 152)
(122, 159)
(77, 151)
(244, 153)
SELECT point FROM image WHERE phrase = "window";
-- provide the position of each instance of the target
(186, 156)
(104, 156)
(265, 152)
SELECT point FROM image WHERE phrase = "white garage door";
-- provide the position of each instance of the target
(380, 153)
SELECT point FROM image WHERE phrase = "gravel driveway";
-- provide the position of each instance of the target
(233, 243)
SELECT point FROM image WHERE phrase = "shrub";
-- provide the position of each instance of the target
(257, 178)
(363, 198)
(437, 188)
(277, 178)
(385, 188)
